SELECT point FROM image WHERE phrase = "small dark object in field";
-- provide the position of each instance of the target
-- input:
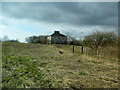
(30, 76)
(26, 72)
(79, 60)
(60, 52)
(10, 62)
(114, 81)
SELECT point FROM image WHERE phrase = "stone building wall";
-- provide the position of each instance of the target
(58, 40)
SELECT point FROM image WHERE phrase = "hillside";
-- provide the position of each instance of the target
(35, 65)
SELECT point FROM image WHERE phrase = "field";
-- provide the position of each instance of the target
(43, 66)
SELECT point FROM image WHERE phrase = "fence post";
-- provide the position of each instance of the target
(73, 48)
(82, 50)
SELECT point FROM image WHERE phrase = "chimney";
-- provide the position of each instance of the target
(56, 32)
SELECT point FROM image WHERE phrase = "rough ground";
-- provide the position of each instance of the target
(36, 65)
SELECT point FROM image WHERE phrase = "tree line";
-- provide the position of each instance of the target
(6, 39)
(36, 39)
(39, 39)
(94, 41)
(98, 40)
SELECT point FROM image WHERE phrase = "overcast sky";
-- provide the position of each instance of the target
(20, 20)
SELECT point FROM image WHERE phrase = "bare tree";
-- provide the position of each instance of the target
(99, 39)
(5, 38)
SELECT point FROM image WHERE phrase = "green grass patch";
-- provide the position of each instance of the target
(81, 73)
(21, 72)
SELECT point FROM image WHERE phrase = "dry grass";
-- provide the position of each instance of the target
(62, 70)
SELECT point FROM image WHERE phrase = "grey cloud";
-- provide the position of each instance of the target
(70, 16)
(83, 13)
(94, 13)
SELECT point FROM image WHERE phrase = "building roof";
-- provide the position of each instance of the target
(44, 36)
(57, 33)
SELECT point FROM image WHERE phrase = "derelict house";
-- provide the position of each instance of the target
(57, 38)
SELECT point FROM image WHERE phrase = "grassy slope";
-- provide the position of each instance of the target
(36, 65)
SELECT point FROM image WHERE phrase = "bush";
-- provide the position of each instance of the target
(99, 39)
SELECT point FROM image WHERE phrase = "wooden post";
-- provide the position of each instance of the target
(82, 50)
(73, 48)
(98, 54)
